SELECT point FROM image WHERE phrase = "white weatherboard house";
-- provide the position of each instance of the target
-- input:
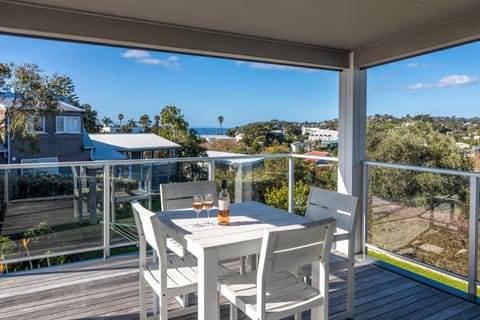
(315, 134)
(131, 146)
(123, 146)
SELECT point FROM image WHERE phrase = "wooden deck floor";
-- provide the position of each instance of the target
(108, 290)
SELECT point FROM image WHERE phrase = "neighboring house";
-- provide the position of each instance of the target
(123, 146)
(60, 137)
(215, 137)
(118, 129)
(315, 134)
(318, 162)
(329, 144)
(299, 146)
(131, 146)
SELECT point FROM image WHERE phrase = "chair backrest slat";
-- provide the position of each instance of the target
(149, 228)
(325, 204)
(179, 195)
(285, 248)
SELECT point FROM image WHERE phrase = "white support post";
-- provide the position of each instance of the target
(473, 238)
(106, 211)
(352, 136)
(291, 184)
(365, 209)
(211, 170)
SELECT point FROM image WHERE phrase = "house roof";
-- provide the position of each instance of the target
(132, 141)
(316, 154)
(103, 151)
(8, 102)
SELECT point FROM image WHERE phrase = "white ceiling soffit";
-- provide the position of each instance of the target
(306, 32)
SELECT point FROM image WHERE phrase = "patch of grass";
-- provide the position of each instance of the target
(431, 274)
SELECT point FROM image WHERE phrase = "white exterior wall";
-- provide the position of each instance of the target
(315, 134)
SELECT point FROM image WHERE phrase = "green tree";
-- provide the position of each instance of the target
(145, 122)
(175, 128)
(157, 123)
(90, 120)
(34, 95)
(220, 121)
(128, 127)
(278, 197)
(120, 118)
(107, 121)
(415, 143)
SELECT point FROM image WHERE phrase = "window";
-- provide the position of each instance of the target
(68, 124)
(36, 124)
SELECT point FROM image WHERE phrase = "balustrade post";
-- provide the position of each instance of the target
(473, 238)
(5, 187)
(106, 211)
(291, 184)
(211, 170)
(365, 209)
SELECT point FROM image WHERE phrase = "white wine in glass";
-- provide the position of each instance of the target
(197, 207)
(208, 205)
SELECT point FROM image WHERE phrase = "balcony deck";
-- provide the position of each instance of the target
(108, 290)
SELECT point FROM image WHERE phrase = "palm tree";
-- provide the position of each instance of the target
(107, 121)
(220, 121)
(157, 121)
(145, 122)
(120, 118)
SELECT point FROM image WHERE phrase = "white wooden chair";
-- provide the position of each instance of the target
(273, 292)
(168, 275)
(174, 196)
(344, 209)
(178, 195)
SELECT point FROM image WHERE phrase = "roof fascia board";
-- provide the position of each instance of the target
(439, 37)
(32, 20)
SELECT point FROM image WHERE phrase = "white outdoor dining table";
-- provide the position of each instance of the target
(211, 244)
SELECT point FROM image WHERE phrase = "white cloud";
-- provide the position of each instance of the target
(412, 65)
(144, 57)
(134, 53)
(447, 81)
(150, 61)
(171, 62)
(269, 66)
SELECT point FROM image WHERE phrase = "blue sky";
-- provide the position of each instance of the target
(134, 82)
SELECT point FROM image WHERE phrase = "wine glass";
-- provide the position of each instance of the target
(197, 207)
(208, 205)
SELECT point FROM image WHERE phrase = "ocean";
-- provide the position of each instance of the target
(211, 131)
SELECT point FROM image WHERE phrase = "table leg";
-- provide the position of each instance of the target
(207, 286)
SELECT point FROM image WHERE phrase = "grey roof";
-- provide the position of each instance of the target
(133, 141)
(86, 141)
(105, 151)
(8, 102)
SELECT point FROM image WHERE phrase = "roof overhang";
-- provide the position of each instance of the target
(314, 33)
